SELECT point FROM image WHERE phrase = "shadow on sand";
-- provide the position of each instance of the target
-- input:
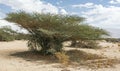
(81, 57)
(35, 56)
(74, 56)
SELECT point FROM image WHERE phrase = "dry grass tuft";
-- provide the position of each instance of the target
(118, 44)
(63, 58)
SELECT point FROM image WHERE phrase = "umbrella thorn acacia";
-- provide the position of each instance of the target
(48, 31)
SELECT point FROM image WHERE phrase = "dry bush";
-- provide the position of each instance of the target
(107, 46)
(63, 58)
(92, 44)
(118, 44)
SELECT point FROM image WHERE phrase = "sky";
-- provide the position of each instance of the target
(99, 13)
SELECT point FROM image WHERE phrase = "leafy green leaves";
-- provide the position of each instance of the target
(6, 34)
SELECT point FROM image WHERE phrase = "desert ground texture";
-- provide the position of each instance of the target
(15, 56)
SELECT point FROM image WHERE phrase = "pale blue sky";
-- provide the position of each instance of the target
(101, 13)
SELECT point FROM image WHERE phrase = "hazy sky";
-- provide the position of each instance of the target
(101, 13)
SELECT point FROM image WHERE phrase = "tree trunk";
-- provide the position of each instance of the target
(50, 47)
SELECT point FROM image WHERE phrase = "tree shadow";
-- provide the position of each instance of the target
(91, 60)
(76, 56)
(33, 56)
(79, 55)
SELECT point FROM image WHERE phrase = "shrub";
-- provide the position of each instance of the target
(85, 44)
(6, 34)
(21, 36)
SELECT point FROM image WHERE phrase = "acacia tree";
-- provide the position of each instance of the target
(48, 31)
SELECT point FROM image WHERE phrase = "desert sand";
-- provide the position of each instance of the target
(14, 56)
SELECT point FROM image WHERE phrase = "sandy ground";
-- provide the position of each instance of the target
(14, 56)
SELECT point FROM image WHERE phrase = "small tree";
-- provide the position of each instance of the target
(48, 31)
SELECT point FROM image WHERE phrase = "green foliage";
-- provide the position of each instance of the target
(21, 36)
(48, 31)
(6, 34)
